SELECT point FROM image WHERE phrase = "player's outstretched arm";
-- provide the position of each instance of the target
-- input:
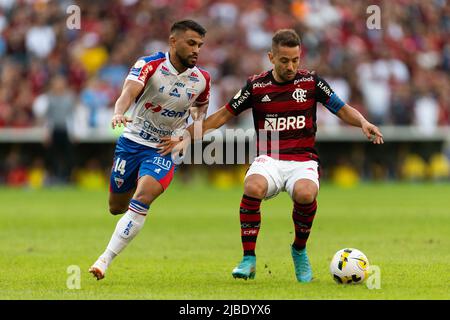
(355, 118)
(194, 131)
(130, 91)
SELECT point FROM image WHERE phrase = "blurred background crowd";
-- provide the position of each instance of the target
(54, 76)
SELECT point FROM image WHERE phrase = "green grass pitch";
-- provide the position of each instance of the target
(191, 242)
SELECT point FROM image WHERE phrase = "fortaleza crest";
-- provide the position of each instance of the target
(119, 182)
(191, 93)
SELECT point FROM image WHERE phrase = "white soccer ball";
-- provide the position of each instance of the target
(349, 266)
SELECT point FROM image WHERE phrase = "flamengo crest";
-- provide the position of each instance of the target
(299, 95)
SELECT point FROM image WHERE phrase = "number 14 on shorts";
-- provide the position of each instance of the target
(120, 166)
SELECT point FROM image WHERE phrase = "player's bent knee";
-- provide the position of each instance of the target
(255, 189)
(304, 192)
(305, 196)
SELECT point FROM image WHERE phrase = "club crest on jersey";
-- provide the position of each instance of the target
(191, 93)
(299, 95)
(118, 181)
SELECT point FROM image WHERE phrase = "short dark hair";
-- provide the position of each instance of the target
(285, 38)
(185, 25)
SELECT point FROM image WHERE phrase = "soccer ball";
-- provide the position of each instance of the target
(349, 266)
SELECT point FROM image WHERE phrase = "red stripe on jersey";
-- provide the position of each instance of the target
(149, 69)
(286, 144)
(276, 89)
(259, 76)
(204, 96)
(283, 106)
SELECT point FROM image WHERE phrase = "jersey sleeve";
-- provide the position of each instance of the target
(242, 100)
(326, 96)
(203, 97)
(145, 67)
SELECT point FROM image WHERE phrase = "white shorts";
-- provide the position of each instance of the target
(281, 175)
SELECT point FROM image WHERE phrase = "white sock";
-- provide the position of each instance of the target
(126, 229)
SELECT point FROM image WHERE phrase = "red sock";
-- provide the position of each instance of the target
(250, 217)
(303, 216)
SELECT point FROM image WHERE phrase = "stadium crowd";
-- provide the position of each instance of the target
(51, 75)
(398, 74)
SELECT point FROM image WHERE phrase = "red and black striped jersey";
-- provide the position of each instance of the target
(284, 114)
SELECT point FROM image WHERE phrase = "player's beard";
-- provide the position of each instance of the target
(185, 61)
(287, 76)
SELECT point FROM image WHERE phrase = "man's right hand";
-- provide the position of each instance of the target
(174, 145)
(119, 119)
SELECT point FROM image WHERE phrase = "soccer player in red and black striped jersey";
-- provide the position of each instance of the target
(283, 101)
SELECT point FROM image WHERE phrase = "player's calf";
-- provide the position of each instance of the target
(127, 228)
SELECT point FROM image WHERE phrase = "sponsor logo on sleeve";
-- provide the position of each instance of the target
(324, 88)
(144, 73)
(240, 98)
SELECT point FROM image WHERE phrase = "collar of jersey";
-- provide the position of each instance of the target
(172, 68)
